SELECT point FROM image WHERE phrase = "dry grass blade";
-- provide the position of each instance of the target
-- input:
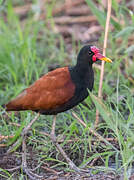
(104, 53)
(63, 7)
(5, 137)
(100, 138)
(72, 20)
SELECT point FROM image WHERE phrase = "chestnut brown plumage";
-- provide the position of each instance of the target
(60, 89)
(49, 92)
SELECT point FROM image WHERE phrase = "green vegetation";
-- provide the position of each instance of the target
(27, 51)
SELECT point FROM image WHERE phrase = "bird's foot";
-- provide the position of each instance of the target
(70, 163)
(28, 172)
(54, 140)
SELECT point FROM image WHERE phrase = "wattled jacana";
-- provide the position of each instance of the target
(60, 89)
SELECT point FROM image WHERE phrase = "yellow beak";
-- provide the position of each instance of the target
(102, 58)
(105, 59)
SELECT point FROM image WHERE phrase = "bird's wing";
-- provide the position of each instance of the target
(52, 90)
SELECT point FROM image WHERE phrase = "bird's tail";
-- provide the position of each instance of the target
(8, 107)
(12, 106)
(15, 104)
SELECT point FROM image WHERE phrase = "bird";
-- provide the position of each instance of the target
(60, 90)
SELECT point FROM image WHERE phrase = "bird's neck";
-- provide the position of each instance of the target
(82, 68)
(82, 74)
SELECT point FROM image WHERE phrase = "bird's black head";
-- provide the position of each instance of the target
(90, 54)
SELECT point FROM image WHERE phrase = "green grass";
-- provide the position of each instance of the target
(27, 51)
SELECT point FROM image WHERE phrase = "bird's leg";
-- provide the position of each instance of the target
(53, 138)
(24, 162)
(29, 172)
(26, 129)
(24, 132)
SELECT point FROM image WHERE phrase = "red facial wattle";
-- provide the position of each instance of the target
(98, 56)
(95, 50)
(94, 58)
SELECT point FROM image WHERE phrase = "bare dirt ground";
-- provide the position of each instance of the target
(12, 163)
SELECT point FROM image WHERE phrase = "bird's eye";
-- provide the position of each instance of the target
(90, 52)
